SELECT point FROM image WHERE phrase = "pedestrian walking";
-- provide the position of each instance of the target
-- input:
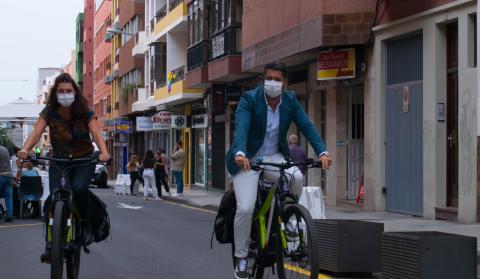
(178, 162)
(6, 182)
(148, 165)
(297, 152)
(160, 175)
(133, 168)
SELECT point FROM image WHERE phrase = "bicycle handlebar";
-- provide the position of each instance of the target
(89, 159)
(310, 163)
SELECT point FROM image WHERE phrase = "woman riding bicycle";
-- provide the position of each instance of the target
(70, 123)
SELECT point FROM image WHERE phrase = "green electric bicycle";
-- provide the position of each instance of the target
(283, 240)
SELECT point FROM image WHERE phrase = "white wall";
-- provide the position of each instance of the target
(176, 50)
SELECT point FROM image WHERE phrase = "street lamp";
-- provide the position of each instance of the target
(117, 31)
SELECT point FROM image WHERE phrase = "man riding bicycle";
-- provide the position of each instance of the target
(70, 123)
(262, 120)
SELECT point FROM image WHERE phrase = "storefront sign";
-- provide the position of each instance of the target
(179, 121)
(218, 45)
(338, 64)
(200, 121)
(144, 124)
(123, 127)
(162, 120)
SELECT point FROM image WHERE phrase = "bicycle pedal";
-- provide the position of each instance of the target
(86, 250)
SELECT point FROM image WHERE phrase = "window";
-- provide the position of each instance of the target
(158, 62)
(224, 13)
(129, 30)
(195, 22)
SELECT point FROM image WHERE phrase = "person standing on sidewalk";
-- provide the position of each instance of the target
(6, 182)
(297, 152)
(178, 162)
(148, 164)
(160, 175)
(132, 168)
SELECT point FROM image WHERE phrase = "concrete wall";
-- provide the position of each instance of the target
(434, 136)
(176, 50)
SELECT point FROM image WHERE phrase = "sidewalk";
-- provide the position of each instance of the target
(393, 221)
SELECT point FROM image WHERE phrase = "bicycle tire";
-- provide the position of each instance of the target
(312, 251)
(58, 241)
(73, 258)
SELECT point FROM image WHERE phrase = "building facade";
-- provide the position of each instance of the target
(421, 111)
(88, 50)
(79, 50)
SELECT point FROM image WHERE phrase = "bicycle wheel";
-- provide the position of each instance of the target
(301, 256)
(58, 240)
(73, 256)
(73, 264)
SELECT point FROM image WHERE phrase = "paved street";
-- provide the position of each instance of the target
(160, 240)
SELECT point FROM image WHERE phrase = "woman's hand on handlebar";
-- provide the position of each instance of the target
(22, 154)
(104, 157)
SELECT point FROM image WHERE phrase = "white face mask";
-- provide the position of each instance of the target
(273, 88)
(66, 100)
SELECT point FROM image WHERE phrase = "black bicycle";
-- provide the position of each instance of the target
(282, 236)
(64, 227)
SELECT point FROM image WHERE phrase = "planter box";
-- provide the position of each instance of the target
(422, 255)
(349, 246)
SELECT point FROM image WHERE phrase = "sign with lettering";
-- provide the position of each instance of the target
(337, 64)
(162, 120)
(144, 124)
(123, 127)
(200, 121)
(179, 121)
(218, 45)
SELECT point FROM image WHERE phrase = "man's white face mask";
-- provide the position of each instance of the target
(273, 88)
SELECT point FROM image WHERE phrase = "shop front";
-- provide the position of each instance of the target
(199, 154)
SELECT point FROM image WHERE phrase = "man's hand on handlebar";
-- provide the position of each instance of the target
(104, 157)
(326, 161)
(242, 162)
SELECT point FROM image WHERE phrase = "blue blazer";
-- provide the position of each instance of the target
(251, 123)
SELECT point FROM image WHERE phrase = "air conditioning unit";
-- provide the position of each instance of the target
(108, 79)
(108, 37)
(116, 74)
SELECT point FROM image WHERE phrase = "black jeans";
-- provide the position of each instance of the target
(80, 177)
(134, 175)
(161, 178)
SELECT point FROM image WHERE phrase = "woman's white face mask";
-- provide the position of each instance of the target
(66, 99)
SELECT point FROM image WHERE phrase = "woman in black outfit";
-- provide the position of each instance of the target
(160, 175)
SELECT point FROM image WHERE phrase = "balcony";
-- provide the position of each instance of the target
(172, 4)
(140, 44)
(176, 90)
(174, 19)
(143, 102)
(160, 13)
(225, 56)
(226, 42)
(197, 65)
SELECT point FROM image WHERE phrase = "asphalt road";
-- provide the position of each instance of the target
(159, 240)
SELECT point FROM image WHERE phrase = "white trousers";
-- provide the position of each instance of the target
(149, 181)
(245, 186)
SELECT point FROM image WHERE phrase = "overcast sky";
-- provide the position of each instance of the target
(33, 34)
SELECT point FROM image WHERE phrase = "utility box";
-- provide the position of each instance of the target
(349, 246)
(429, 254)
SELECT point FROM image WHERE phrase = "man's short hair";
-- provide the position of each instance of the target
(276, 67)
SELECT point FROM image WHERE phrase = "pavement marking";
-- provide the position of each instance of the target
(126, 206)
(22, 225)
(303, 271)
(190, 207)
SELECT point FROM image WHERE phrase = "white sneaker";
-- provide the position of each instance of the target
(158, 199)
(176, 195)
(241, 269)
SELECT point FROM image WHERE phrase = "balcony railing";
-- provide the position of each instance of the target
(161, 13)
(178, 74)
(172, 4)
(197, 55)
(226, 42)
